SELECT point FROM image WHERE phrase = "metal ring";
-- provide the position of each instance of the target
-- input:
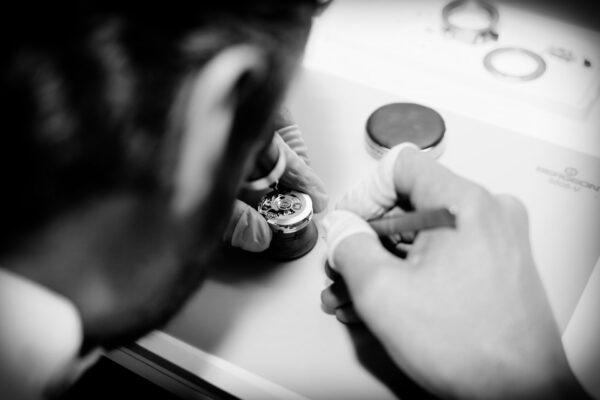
(290, 219)
(488, 62)
(468, 34)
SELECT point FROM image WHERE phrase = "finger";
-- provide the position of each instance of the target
(515, 209)
(338, 226)
(375, 195)
(286, 127)
(405, 172)
(292, 136)
(355, 251)
(397, 248)
(429, 184)
(516, 212)
(408, 237)
(283, 118)
(347, 315)
(331, 274)
(299, 176)
(247, 229)
(335, 296)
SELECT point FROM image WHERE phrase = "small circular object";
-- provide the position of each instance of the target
(397, 123)
(472, 21)
(289, 215)
(515, 63)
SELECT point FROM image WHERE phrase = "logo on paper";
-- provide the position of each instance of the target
(569, 179)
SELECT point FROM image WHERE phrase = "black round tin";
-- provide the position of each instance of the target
(397, 123)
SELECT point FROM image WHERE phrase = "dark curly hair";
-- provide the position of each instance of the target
(88, 91)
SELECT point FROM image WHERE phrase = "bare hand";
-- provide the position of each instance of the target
(465, 313)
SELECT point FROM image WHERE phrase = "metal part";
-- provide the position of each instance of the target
(286, 211)
(492, 59)
(471, 21)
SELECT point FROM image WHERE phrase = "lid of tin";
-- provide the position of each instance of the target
(286, 210)
(397, 123)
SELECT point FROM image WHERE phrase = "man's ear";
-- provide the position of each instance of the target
(211, 99)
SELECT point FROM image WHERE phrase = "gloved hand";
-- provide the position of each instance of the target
(247, 229)
(464, 313)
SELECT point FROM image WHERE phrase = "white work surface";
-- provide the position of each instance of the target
(256, 329)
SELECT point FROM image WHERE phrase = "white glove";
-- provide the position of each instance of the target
(371, 198)
(247, 229)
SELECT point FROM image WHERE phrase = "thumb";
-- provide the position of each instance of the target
(247, 229)
(299, 176)
(354, 250)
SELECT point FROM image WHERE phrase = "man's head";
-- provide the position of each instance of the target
(127, 130)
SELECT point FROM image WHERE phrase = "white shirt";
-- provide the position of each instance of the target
(40, 337)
